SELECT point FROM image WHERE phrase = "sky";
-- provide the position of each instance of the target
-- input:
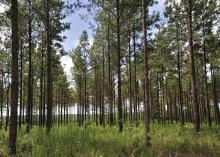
(77, 27)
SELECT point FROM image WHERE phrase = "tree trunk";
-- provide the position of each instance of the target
(96, 96)
(130, 78)
(61, 108)
(179, 77)
(49, 76)
(158, 98)
(120, 120)
(135, 76)
(41, 86)
(176, 109)
(23, 106)
(7, 104)
(30, 85)
(67, 114)
(167, 103)
(206, 86)
(103, 87)
(21, 82)
(64, 109)
(171, 108)
(110, 80)
(80, 102)
(58, 106)
(2, 98)
(14, 78)
(85, 90)
(146, 80)
(193, 73)
(44, 100)
(100, 103)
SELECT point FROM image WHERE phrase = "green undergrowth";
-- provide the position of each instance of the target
(95, 141)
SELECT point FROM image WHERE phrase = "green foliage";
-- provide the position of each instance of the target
(96, 141)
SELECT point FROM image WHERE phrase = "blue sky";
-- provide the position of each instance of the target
(78, 26)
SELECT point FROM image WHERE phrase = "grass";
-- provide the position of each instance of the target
(96, 141)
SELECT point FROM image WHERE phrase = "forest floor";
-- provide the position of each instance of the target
(95, 141)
